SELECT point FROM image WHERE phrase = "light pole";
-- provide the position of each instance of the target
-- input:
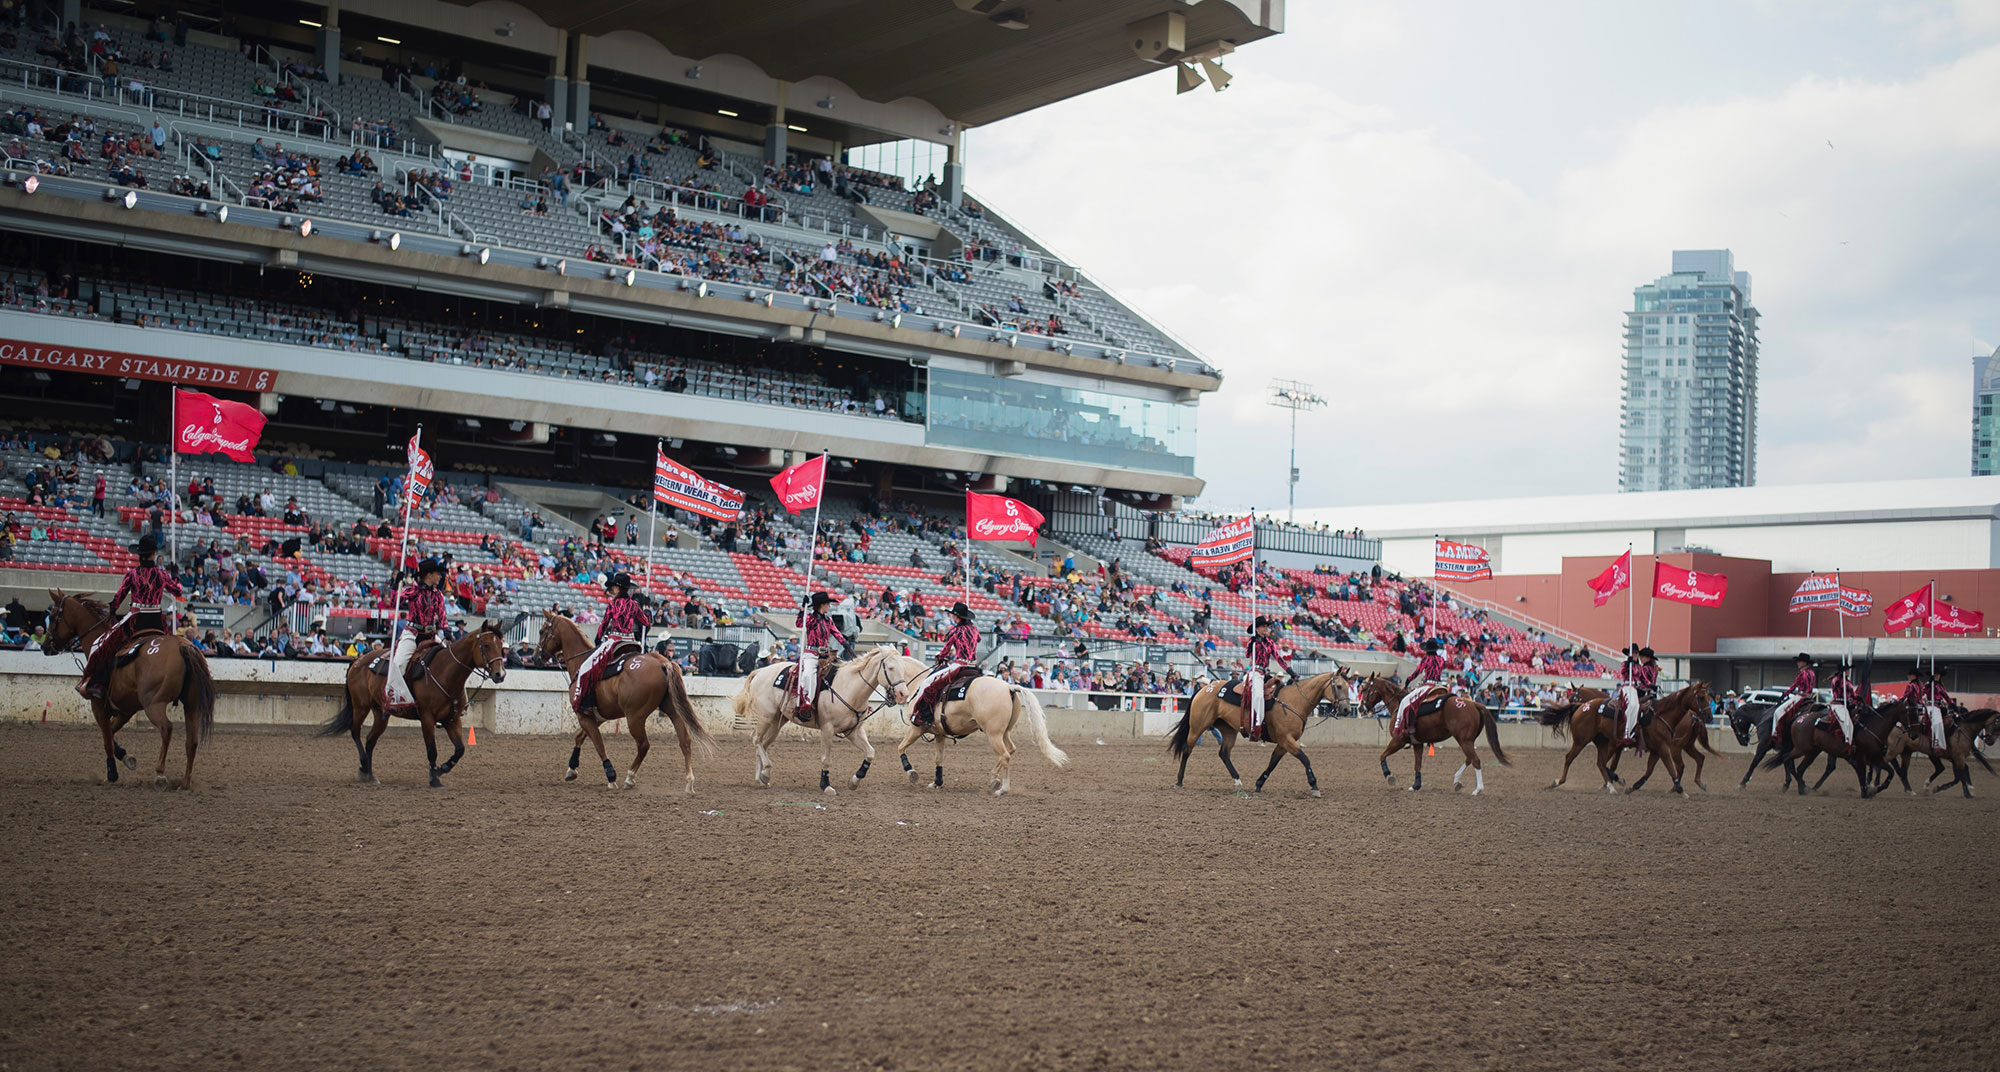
(1295, 396)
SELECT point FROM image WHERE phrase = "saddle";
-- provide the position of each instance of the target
(1430, 701)
(614, 663)
(1232, 691)
(827, 668)
(130, 651)
(960, 684)
(420, 660)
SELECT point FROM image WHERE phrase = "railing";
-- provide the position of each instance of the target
(1492, 607)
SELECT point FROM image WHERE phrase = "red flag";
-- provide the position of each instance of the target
(799, 487)
(677, 485)
(997, 517)
(1951, 618)
(420, 469)
(1816, 592)
(205, 424)
(1616, 578)
(1907, 611)
(1462, 562)
(1231, 541)
(1689, 585)
(1856, 602)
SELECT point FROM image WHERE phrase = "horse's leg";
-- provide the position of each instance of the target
(593, 726)
(575, 755)
(1652, 759)
(1276, 755)
(859, 739)
(1003, 758)
(454, 728)
(1607, 758)
(635, 724)
(375, 728)
(1200, 721)
(1471, 750)
(1832, 761)
(767, 735)
(158, 713)
(910, 737)
(1575, 746)
(1763, 746)
(937, 780)
(1395, 745)
(1860, 774)
(1290, 743)
(1694, 749)
(825, 756)
(1417, 752)
(1226, 733)
(430, 745)
(112, 752)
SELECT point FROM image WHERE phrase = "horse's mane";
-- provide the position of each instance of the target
(89, 604)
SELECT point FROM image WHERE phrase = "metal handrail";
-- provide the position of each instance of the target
(1494, 607)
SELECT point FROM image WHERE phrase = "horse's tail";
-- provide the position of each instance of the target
(197, 690)
(343, 719)
(1557, 718)
(1493, 733)
(678, 709)
(740, 702)
(1177, 738)
(1972, 748)
(1701, 735)
(1027, 702)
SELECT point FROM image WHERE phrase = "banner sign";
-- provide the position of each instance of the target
(134, 366)
(1462, 562)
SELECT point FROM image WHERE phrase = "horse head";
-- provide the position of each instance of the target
(1334, 691)
(1743, 720)
(489, 650)
(70, 619)
(549, 645)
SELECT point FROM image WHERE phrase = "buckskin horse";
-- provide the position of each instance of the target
(149, 672)
(990, 705)
(637, 683)
(766, 699)
(1457, 718)
(1285, 719)
(439, 689)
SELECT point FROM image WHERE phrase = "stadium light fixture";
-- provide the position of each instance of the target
(795, 126)
(1218, 78)
(825, 102)
(130, 200)
(727, 112)
(395, 240)
(1295, 396)
(222, 214)
(701, 289)
(387, 40)
(485, 254)
(311, 23)
(694, 71)
(31, 184)
(896, 321)
(305, 228)
(1185, 79)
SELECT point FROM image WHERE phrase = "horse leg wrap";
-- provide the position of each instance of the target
(906, 764)
(610, 772)
(575, 756)
(824, 781)
(110, 769)
(863, 772)
(939, 779)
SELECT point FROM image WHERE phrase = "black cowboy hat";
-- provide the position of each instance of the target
(961, 610)
(430, 565)
(147, 545)
(621, 579)
(820, 599)
(1646, 653)
(1433, 646)
(1915, 671)
(1802, 657)
(1263, 621)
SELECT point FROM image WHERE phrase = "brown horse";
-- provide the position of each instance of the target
(1808, 740)
(439, 692)
(157, 670)
(1284, 723)
(645, 682)
(1458, 718)
(1678, 729)
(1912, 736)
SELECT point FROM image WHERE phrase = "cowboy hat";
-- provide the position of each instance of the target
(430, 565)
(620, 579)
(961, 610)
(820, 599)
(147, 545)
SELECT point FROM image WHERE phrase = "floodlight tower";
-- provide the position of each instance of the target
(1295, 396)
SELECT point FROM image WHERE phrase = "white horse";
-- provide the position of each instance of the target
(990, 704)
(842, 708)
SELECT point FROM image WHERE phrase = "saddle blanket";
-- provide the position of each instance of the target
(131, 649)
(1429, 699)
(418, 661)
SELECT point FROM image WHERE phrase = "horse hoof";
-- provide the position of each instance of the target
(1458, 787)
(435, 784)
(131, 761)
(1476, 792)
(853, 783)
(914, 780)
(763, 778)
(994, 786)
(569, 775)
(999, 792)
(1313, 793)
(829, 791)
(1238, 783)
(629, 783)
(161, 781)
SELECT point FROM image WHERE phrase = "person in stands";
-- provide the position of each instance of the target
(1259, 653)
(424, 613)
(1429, 673)
(624, 621)
(959, 652)
(818, 642)
(147, 586)
(1800, 693)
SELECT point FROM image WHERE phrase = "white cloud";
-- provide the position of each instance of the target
(1467, 328)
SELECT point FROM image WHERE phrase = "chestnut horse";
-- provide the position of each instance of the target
(439, 692)
(163, 669)
(1459, 719)
(1284, 723)
(1682, 718)
(646, 682)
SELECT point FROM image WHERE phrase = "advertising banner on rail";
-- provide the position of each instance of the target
(135, 366)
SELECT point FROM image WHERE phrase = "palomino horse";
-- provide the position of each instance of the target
(1459, 719)
(1808, 740)
(1912, 736)
(1682, 720)
(842, 709)
(646, 682)
(440, 695)
(1284, 723)
(991, 705)
(163, 669)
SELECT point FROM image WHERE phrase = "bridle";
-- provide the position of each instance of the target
(58, 614)
(484, 670)
(889, 682)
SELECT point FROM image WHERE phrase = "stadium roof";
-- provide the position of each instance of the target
(961, 57)
(1953, 497)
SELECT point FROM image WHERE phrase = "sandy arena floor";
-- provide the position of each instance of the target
(283, 916)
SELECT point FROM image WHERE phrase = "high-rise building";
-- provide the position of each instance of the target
(1690, 395)
(1985, 441)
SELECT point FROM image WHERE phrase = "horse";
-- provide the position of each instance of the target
(159, 670)
(1809, 739)
(1587, 721)
(1681, 719)
(1458, 718)
(992, 705)
(1911, 735)
(1753, 720)
(1284, 723)
(842, 709)
(642, 682)
(440, 695)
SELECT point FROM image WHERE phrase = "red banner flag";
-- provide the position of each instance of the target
(205, 424)
(1231, 541)
(1616, 578)
(1817, 592)
(997, 517)
(1856, 602)
(1907, 611)
(677, 485)
(1951, 618)
(799, 487)
(420, 470)
(1462, 562)
(1689, 586)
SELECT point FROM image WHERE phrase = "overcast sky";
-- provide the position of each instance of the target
(1436, 212)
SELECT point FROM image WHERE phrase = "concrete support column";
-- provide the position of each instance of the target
(326, 49)
(774, 132)
(72, 15)
(954, 168)
(579, 85)
(556, 88)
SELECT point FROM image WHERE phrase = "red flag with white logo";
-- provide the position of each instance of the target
(1910, 610)
(1951, 618)
(205, 424)
(1462, 562)
(1616, 578)
(677, 485)
(799, 486)
(1231, 541)
(1690, 586)
(420, 469)
(997, 517)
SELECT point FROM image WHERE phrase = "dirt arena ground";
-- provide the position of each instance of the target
(283, 916)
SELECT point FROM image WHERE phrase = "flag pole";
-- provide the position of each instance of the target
(965, 560)
(1650, 593)
(812, 551)
(653, 526)
(402, 556)
(1629, 597)
(174, 485)
(1253, 572)
(1840, 616)
(1930, 613)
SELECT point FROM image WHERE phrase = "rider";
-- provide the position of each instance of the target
(1260, 652)
(147, 584)
(624, 620)
(1430, 671)
(424, 614)
(819, 639)
(1642, 687)
(1937, 708)
(960, 650)
(1846, 694)
(1800, 693)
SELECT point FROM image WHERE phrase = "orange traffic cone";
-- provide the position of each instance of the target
(471, 736)
(1434, 750)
